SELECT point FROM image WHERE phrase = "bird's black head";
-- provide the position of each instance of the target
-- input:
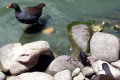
(15, 6)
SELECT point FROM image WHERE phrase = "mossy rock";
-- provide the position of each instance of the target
(117, 27)
(97, 28)
(79, 34)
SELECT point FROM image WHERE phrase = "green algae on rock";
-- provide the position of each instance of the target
(79, 34)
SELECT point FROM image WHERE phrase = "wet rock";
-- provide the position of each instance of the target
(116, 64)
(97, 67)
(104, 46)
(79, 77)
(27, 56)
(2, 76)
(76, 72)
(79, 35)
(63, 75)
(6, 55)
(62, 63)
(32, 76)
(87, 71)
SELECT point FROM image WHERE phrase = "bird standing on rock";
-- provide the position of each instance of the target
(29, 15)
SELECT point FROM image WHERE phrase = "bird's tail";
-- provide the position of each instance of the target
(42, 5)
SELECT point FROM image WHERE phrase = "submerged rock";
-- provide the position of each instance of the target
(97, 28)
(117, 27)
(32, 76)
(104, 46)
(79, 35)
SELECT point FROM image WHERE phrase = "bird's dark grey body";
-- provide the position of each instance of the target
(29, 15)
(26, 18)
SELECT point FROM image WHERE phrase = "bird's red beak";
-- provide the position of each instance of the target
(9, 6)
(88, 59)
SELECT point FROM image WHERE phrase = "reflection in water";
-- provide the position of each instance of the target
(38, 27)
(31, 33)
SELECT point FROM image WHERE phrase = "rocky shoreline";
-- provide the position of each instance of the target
(36, 60)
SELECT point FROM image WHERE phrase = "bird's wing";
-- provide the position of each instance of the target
(33, 11)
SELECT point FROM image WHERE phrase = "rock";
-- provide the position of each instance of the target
(2, 76)
(87, 71)
(32, 76)
(97, 67)
(27, 56)
(62, 63)
(116, 64)
(79, 77)
(79, 35)
(6, 55)
(63, 75)
(86, 79)
(103, 46)
(76, 72)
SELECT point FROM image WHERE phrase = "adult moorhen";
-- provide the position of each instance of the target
(29, 15)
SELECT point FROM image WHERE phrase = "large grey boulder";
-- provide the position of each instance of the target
(27, 56)
(62, 63)
(32, 76)
(97, 67)
(104, 46)
(7, 54)
(63, 75)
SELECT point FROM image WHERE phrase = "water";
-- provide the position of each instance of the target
(61, 13)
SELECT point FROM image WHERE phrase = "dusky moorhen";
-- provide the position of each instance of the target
(84, 58)
(29, 15)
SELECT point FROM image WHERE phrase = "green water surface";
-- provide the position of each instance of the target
(61, 13)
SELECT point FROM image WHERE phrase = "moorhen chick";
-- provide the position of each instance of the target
(29, 15)
(84, 58)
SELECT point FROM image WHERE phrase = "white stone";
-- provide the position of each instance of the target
(76, 72)
(63, 75)
(79, 77)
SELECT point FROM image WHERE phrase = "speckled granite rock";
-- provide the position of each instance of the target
(62, 63)
(103, 46)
